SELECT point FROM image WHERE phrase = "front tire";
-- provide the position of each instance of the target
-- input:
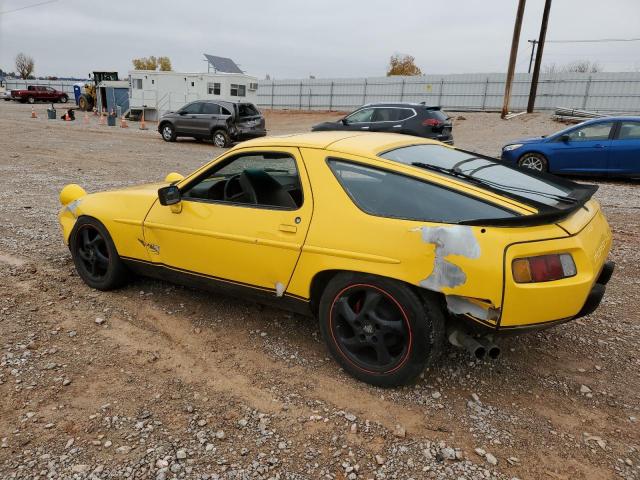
(221, 139)
(379, 330)
(168, 132)
(95, 256)
(64, 99)
(31, 100)
(534, 161)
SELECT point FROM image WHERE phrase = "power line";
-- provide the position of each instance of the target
(28, 6)
(597, 40)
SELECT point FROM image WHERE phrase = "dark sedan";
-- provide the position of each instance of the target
(408, 118)
(602, 146)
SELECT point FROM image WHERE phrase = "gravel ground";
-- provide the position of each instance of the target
(158, 381)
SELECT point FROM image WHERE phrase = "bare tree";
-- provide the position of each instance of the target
(580, 66)
(402, 65)
(24, 65)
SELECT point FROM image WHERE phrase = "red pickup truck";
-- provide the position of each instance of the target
(33, 93)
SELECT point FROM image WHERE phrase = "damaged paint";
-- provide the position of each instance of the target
(72, 208)
(449, 240)
(279, 289)
(461, 305)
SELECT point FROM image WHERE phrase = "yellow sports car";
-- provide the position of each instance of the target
(395, 243)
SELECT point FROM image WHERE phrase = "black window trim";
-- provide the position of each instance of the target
(331, 159)
(226, 162)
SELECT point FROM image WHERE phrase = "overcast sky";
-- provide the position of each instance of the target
(298, 38)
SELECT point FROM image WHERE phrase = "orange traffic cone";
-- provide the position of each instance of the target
(86, 118)
(123, 122)
(101, 120)
(33, 112)
(143, 126)
(67, 117)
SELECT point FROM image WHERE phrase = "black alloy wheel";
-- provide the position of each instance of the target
(370, 328)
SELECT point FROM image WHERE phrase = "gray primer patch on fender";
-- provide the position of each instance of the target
(73, 207)
(451, 240)
(279, 289)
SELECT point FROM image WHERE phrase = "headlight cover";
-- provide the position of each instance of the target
(513, 146)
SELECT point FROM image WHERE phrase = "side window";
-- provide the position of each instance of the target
(266, 180)
(361, 116)
(136, 83)
(192, 108)
(242, 90)
(234, 90)
(629, 131)
(385, 114)
(599, 131)
(224, 111)
(213, 88)
(386, 194)
(404, 113)
(211, 108)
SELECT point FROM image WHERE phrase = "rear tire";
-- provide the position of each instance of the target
(534, 161)
(31, 100)
(168, 132)
(379, 330)
(221, 139)
(95, 256)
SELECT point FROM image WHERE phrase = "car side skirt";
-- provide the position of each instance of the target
(262, 295)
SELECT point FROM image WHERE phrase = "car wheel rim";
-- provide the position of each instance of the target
(370, 328)
(92, 252)
(218, 139)
(166, 133)
(533, 163)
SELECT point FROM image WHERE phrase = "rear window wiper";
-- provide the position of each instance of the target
(456, 172)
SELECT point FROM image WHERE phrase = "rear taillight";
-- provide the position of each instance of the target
(543, 268)
(431, 122)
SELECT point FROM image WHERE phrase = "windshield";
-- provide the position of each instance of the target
(494, 174)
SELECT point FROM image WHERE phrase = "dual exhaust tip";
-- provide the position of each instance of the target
(479, 348)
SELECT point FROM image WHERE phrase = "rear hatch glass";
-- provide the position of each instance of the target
(550, 195)
(247, 110)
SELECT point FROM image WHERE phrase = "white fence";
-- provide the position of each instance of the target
(607, 92)
(603, 92)
(62, 85)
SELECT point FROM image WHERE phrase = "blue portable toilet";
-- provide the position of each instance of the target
(77, 91)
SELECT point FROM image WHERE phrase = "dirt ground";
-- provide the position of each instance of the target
(159, 381)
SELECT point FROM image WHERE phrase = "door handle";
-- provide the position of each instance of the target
(364, 128)
(599, 145)
(288, 228)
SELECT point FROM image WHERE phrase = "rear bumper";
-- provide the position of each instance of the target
(597, 292)
(592, 302)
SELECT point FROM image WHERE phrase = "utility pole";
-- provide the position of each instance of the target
(536, 67)
(512, 57)
(533, 49)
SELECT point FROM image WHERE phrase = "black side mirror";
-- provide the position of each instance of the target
(181, 112)
(565, 138)
(169, 195)
(344, 121)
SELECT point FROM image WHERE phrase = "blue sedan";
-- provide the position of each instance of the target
(602, 146)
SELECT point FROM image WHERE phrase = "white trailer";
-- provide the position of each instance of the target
(158, 92)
